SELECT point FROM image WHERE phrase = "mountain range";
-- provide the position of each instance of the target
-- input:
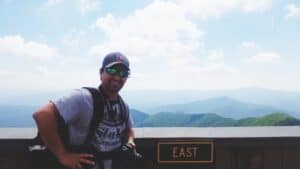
(147, 99)
(228, 107)
(223, 106)
(165, 119)
(20, 116)
(276, 99)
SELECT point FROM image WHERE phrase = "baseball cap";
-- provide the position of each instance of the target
(114, 58)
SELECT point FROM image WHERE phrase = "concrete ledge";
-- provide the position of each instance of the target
(17, 133)
(235, 147)
(218, 132)
(182, 132)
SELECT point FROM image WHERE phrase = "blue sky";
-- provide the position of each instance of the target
(172, 45)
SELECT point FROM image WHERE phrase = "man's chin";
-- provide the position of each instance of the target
(115, 89)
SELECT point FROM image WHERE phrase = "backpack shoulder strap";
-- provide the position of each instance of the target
(125, 114)
(98, 102)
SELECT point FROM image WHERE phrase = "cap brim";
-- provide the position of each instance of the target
(116, 63)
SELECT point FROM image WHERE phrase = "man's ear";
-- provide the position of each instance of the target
(100, 73)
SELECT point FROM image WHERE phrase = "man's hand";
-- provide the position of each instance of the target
(76, 161)
(128, 150)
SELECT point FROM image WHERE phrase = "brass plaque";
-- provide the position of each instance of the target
(185, 152)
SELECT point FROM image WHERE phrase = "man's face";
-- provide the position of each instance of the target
(113, 78)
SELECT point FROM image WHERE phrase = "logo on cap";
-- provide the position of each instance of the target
(120, 58)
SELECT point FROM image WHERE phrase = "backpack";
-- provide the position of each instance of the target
(40, 157)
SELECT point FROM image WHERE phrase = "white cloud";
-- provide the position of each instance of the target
(217, 8)
(210, 76)
(72, 38)
(218, 67)
(86, 6)
(46, 81)
(166, 35)
(248, 45)
(211, 68)
(264, 57)
(159, 31)
(293, 10)
(7, 74)
(104, 22)
(17, 46)
(164, 29)
(216, 55)
(43, 70)
(250, 5)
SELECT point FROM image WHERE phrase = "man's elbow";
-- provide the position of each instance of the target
(36, 115)
(45, 112)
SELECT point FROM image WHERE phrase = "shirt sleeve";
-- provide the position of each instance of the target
(70, 105)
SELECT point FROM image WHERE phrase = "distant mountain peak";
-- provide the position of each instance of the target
(221, 105)
(221, 99)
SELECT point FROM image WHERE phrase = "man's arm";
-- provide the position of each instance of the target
(45, 118)
(130, 136)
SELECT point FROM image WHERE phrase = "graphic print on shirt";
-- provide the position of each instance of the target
(109, 131)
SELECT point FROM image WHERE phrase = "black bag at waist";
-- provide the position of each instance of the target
(99, 155)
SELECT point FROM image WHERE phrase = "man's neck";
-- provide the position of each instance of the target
(112, 96)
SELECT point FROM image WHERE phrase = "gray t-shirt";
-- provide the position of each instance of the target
(77, 108)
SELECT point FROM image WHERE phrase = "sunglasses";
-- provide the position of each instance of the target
(117, 72)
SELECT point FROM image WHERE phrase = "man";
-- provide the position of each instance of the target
(76, 110)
